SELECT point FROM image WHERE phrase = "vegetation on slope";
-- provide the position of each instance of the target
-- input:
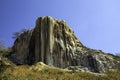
(25, 73)
(39, 71)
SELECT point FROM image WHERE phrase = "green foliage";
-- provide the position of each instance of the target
(5, 51)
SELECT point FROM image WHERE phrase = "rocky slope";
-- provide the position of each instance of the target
(54, 43)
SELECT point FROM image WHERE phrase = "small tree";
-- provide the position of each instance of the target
(17, 34)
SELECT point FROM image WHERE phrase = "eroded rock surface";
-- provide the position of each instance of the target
(54, 43)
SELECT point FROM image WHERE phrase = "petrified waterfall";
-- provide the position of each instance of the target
(54, 43)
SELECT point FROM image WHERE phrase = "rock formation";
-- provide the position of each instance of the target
(54, 43)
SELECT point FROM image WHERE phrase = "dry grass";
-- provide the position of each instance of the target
(25, 73)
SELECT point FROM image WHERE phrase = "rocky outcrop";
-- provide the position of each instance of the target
(21, 48)
(54, 43)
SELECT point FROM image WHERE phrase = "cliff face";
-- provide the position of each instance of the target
(54, 43)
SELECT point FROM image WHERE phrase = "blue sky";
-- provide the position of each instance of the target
(95, 22)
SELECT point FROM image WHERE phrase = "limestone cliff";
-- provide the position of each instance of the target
(54, 43)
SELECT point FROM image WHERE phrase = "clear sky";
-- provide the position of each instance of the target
(95, 22)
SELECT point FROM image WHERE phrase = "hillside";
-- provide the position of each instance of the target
(51, 51)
